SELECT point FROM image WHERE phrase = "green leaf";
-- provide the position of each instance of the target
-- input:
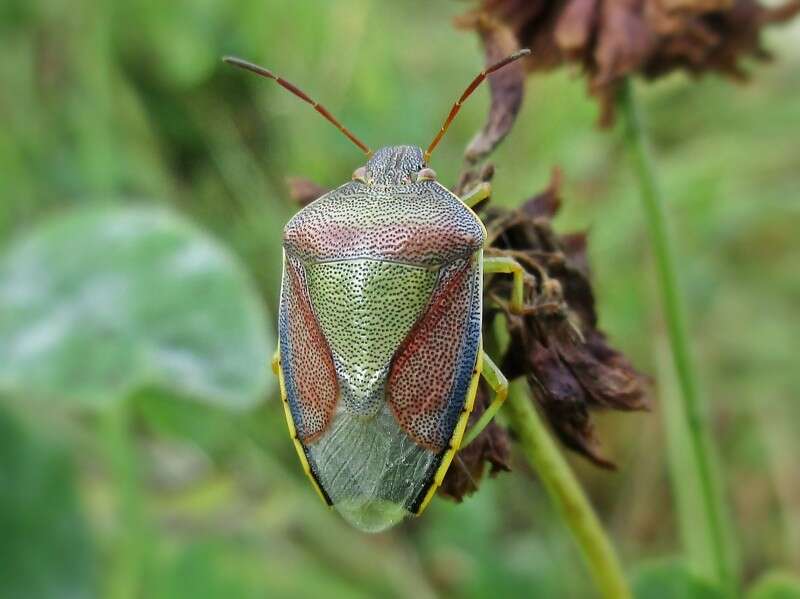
(671, 579)
(45, 550)
(776, 585)
(235, 569)
(202, 572)
(101, 302)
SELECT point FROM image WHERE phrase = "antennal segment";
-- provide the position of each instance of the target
(467, 93)
(254, 68)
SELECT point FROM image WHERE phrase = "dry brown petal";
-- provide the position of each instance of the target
(577, 292)
(472, 176)
(574, 246)
(547, 203)
(546, 54)
(304, 191)
(780, 14)
(574, 27)
(506, 86)
(564, 403)
(607, 380)
(624, 41)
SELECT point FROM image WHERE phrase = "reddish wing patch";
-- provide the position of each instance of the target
(312, 386)
(423, 371)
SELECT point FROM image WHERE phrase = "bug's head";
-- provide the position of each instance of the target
(395, 165)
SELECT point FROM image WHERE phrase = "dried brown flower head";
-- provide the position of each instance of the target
(556, 345)
(610, 39)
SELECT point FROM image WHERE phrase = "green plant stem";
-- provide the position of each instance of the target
(566, 493)
(128, 551)
(674, 314)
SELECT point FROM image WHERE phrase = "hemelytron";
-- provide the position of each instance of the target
(380, 328)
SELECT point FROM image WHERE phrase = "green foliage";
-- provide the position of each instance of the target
(45, 549)
(671, 579)
(99, 303)
(775, 585)
(205, 572)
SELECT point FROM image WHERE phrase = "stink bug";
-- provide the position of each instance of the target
(380, 328)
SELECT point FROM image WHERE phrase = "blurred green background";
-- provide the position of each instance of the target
(119, 113)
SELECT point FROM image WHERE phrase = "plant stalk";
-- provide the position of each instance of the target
(566, 493)
(129, 548)
(700, 454)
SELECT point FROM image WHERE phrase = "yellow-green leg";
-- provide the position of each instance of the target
(276, 360)
(490, 371)
(506, 265)
(477, 194)
(499, 385)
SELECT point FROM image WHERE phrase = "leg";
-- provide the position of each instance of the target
(497, 381)
(276, 361)
(477, 194)
(503, 264)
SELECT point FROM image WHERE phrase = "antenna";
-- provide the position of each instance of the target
(467, 93)
(254, 68)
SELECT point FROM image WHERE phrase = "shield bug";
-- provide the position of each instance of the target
(380, 328)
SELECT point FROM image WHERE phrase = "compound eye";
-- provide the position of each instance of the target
(426, 174)
(360, 174)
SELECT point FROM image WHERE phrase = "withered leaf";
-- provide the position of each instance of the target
(546, 203)
(506, 86)
(472, 176)
(564, 402)
(304, 191)
(574, 27)
(607, 379)
(624, 43)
